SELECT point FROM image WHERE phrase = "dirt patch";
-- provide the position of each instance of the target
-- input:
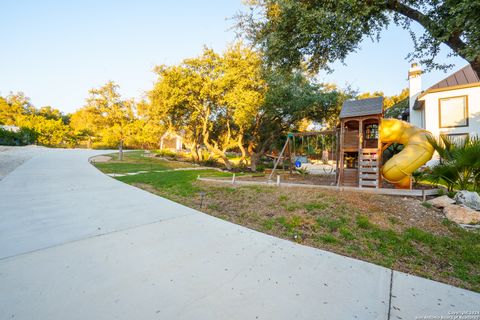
(100, 159)
(316, 179)
(385, 211)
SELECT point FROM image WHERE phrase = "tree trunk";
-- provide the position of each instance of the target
(242, 149)
(120, 150)
(194, 152)
(218, 152)
(254, 157)
(213, 149)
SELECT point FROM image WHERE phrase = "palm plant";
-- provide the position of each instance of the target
(459, 165)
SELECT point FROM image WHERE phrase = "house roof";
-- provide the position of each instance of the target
(363, 107)
(418, 104)
(464, 76)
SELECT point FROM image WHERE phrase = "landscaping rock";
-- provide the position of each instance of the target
(461, 214)
(441, 202)
(469, 199)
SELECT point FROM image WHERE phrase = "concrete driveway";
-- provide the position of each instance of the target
(76, 244)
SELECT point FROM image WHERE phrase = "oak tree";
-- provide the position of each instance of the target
(319, 32)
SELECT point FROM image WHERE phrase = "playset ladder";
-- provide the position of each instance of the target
(368, 165)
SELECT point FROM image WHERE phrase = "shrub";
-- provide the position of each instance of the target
(23, 137)
(459, 165)
(210, 162)
(260, 168)
(166, 153)
(419, 175)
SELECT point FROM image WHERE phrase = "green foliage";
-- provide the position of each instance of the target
(315, 206)
(420, 175)
(212, 98)
(363, 222)
(230, 101)
(268, 224)
(49, 132)
(106, 117)
(320, 32)
(173, 183)
(327, 238)
(426, 204)
(134, 161)
(44, 126)
(13, 107)
(24, 137)
(218, 103)
(166, 153)
(302, 172)
(211, 162)
(290, 99)
(459, 165)
(396, 105)
(291, 226)
(332, 224)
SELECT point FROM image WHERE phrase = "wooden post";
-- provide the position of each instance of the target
(233, 179)
(340, 154)
(278, 160)
(289, 150)
(278, 180)
(360, 137)
(337, 151)
(360, 150)
(380, 154)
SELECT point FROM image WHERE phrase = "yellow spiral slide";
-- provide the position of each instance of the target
(416, 151)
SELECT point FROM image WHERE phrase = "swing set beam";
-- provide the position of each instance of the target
(293, 135)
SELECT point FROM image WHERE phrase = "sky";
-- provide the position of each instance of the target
(55, 51)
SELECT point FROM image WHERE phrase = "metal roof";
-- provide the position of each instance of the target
(363, 107)
(466, 75)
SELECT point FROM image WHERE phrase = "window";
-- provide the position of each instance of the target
(371, 131)
(457, 138)
(453, 112)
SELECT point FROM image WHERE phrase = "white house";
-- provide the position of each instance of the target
(450, 107)
(10, 128)
(171, 140)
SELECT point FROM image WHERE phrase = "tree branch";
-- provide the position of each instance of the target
(453, 41)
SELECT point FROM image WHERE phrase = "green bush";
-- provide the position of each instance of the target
(459, 165)
(23, 137)
(419, 175)
(166, 153)
(210, 162)
(260, 168)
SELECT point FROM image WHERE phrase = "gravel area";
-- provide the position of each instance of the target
(12, 157)
(101, 158)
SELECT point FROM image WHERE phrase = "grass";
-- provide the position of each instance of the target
(400, 233)
(134, 161)
(172, 184)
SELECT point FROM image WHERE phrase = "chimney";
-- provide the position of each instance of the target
(415, 88)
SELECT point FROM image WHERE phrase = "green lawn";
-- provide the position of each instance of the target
(173, 184)
(396, 232)
(134, 161)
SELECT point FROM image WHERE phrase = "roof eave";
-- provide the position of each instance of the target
(461, 86)
(362, 116)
